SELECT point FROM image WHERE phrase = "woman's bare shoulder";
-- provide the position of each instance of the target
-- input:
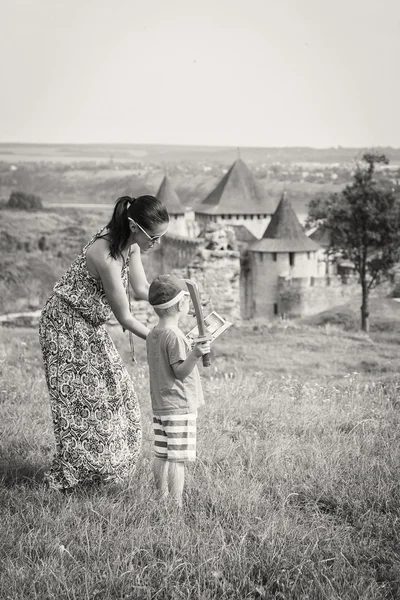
(98, 257)
(99, 249)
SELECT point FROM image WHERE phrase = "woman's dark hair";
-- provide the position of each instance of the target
(148, 211)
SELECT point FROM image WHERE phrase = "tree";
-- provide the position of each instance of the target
(364, 225)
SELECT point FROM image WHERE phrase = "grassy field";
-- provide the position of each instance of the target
(295, 493)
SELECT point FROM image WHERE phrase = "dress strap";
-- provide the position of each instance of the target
(93, 239)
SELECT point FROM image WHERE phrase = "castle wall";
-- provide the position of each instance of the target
(184, 225)
(256, 224)
(264, 290)
(304, 296)
(178, 225)
(326, 263)
(192, 226)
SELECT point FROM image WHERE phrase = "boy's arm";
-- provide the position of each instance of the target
(183, 368)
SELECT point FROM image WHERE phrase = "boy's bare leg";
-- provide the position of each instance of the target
(160, 470)
(176, 480)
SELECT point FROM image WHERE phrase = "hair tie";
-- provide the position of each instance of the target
(130, 201)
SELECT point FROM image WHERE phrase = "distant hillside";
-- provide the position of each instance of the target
(36, 248)
(169, 153)
(80, 183)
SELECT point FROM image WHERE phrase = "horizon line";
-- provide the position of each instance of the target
(187, 145)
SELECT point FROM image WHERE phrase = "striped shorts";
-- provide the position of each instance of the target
(175, 437)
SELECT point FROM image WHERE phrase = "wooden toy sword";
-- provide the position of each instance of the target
(203, 335)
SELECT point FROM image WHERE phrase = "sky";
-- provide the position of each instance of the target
(265, 73)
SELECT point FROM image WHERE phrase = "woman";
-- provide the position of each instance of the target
(94, 406)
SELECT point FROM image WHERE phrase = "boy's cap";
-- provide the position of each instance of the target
(167, 290)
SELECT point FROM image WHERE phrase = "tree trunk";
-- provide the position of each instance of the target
(365, 307)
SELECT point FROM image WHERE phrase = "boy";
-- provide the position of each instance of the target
(175, 386)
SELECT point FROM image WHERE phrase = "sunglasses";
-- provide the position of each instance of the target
(152, 239)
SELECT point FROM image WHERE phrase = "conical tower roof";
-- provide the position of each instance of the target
(284, 232)
(170, 198)
(238, 193)
(322, 236)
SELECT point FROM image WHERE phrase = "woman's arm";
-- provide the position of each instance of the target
(109, 271)
(137, 276)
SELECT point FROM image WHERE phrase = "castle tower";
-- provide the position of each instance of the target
(168, 196)
(283, 253)
(238, 199)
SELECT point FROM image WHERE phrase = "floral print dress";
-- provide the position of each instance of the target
(94, 406)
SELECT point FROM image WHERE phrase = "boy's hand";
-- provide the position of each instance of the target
(201, 348)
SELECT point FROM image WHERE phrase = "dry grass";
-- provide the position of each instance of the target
(295, 493)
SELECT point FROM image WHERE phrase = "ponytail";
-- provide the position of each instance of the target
(148, 211)
(119, 226)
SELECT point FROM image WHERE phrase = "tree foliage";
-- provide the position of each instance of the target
(363, 221)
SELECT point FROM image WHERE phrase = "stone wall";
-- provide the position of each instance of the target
(303, 296)
(217, 273)
(213, 261)
(174, 252)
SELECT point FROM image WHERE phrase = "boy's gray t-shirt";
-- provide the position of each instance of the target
(170, 395)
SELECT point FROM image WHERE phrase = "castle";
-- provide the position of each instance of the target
(250, 257)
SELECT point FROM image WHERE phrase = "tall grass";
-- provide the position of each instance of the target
(295, 495)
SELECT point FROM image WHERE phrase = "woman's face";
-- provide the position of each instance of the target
(147, 239)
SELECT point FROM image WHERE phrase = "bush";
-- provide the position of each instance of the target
(23, 201)
(42, 245)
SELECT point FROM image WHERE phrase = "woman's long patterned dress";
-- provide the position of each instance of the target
(95, 409)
